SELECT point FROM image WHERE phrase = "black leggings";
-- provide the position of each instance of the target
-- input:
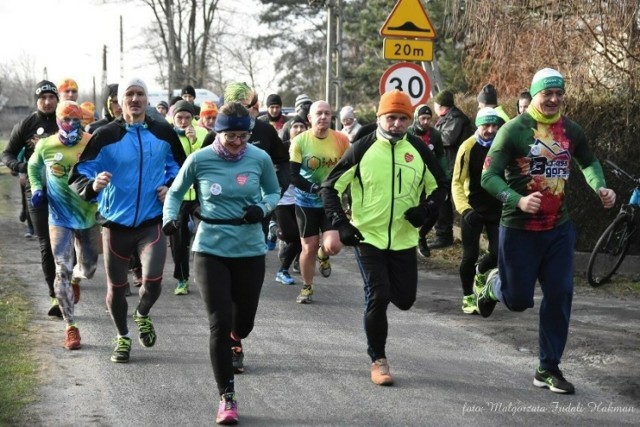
(471, 251)
(40, 219)
(288, 233)
(181, 239)
(230, 289)
(389, 277)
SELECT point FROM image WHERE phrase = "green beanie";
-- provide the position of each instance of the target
(444, 98)
(545, 79)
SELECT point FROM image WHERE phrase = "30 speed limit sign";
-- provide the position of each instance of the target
(409, 78)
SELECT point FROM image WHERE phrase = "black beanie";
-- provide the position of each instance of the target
(488, 95)
(45, 86)
(183, 105)
(274, 99)
(444, 98)
(188, 90)
(424, 110)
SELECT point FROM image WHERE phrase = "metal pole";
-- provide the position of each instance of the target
(328, 72)
(338, 76)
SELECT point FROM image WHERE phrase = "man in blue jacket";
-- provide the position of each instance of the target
(127, 168)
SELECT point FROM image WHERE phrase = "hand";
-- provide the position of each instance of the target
(531, 203)
(252, 214)
(349, 234)
(190, 133)
(162, 192)
(417, 216)
(472, 218)
(607, 196)
(37, 197)
(170, 227)
(101, 181)
(315, 189)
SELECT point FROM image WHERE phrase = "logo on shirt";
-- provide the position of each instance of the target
(408, 157)
(242, 179)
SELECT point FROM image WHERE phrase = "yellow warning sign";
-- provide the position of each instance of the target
(408, 19)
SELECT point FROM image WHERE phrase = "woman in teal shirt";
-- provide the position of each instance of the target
(237, 187)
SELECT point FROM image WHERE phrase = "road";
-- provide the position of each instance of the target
(307, 364)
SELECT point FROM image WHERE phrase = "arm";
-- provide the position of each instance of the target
(12, 150)
(495, 163)
(295, 165)
(460, 176)
(336, 182)
(270, 187)
(181, 184)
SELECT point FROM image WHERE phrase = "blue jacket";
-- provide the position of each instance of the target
(141, 158)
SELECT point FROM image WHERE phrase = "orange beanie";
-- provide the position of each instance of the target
(208, 108)
(395, 102)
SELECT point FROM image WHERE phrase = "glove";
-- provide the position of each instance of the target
(349, 234)
(417, 215)
(472, 218)
(37, 198)
(252, 214)
(315, 189)
(170, 227)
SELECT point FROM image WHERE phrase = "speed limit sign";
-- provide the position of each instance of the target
(410, 79)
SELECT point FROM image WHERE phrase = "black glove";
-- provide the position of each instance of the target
(170, 227)
(472, 218)
(349, 234)
(252, 214)
(417, 215)
(315, 188)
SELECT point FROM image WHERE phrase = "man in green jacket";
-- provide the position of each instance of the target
(388, 170)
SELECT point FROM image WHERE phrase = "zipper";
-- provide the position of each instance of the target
(393, 186)
(141, 151)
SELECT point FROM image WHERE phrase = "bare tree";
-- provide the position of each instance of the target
(18, 80)
(594, 42)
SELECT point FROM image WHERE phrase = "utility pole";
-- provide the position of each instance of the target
(121, 50)
(333, 74)
(104, 66)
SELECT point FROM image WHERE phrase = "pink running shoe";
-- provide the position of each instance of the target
(228, 409)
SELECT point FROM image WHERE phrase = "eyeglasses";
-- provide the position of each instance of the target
(230, 137)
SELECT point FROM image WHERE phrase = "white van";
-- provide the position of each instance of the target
(155, 96)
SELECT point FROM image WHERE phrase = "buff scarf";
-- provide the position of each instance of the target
(541, 118)
(69, 133)
(224, 154)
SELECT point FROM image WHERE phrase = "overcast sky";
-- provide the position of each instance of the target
(66, 37)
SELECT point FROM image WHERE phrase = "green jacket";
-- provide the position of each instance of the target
(386, 179)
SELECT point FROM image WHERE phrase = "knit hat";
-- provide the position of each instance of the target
(87, 116)
(274, 99)
(347, 113)
(488, 116)
(126, 83)
(424, 109)
(183, 105)
(545, 79)
(488, 95)
(68, 109)
(67, 84)
(299, 119)
(164, 104)
(301, 100)
(188, 90)
(232, 123)
(444, 98)
(89, 106)
(208, 109)
(45, 86)
(395, 101)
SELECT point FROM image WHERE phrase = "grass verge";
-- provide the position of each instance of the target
(18, 379)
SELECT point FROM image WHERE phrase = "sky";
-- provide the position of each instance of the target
(41, 30)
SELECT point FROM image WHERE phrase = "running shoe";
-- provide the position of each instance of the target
(485, 300)
(75, 285)
(72, 338)
(553, 380)
(227, 409)
(121, 352)
(305, 295)
(380, 373)
(29, 233)
(469, 304)
(285, 278)
(182, 287)
(423, 248)
(272, 237)
(147, 335)
(324, 263)
(237, 359)
(54, 310)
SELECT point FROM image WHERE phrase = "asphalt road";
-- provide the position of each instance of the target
(307, 364)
